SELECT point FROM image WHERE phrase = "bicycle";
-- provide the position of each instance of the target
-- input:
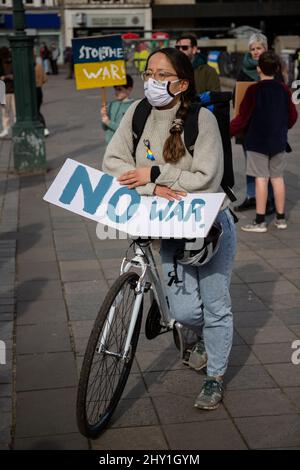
(113, 341)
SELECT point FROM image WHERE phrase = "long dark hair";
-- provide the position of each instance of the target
(174, 148)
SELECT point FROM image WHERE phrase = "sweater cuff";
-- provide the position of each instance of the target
(154, 174)
(146, 190)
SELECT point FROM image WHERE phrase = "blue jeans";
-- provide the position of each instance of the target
(202, 300)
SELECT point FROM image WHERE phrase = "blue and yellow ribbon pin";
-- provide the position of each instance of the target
(150, 154)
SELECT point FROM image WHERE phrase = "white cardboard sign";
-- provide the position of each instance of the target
(98, 196)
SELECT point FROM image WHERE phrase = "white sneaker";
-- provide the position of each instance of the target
(46, 132)
(4, 133)
(280, 223)
(254, 227)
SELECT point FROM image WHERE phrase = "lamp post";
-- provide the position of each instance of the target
(28, 133)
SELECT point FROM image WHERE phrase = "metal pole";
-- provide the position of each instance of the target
(28, 133)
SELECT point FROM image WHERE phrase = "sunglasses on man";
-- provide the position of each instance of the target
(183, 48)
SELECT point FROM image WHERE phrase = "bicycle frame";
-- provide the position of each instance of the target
(143, 259)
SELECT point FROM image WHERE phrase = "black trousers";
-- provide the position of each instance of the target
(54, 66)
(39, 96)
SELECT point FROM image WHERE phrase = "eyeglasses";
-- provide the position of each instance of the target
(183, 48)
(160, 76)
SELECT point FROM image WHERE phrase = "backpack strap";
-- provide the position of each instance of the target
(191, 130)
(139, 119)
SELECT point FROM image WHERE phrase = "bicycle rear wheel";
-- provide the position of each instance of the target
(103, 376)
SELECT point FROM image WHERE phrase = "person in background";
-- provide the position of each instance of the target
(68, 59)
(45, 55)
(40, 79)
(266, 113)
(258, 44)
(54, 55)
(111, 116)
(206, 78)
(6, 75)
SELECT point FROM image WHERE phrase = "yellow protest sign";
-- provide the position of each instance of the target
(99, 62)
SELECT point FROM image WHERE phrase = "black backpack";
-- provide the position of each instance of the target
(216, 102)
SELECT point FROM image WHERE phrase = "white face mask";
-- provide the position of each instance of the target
(158, 93)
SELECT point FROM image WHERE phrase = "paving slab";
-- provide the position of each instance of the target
(248, 377)
(43, 337)
(72, 441)
(41, 311)
(39, 289)
(135, 438)
(209, 435)
(31, 271)
(173, 408)
(274, 431)
(257, 403)
(45, 371)
(286, 375)
(273, 353)
(294, 395)
(133, 413)
(84, 270)
(259, 318)
(266, 334)
(46, 412)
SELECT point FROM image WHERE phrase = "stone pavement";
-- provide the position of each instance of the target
(54, 275)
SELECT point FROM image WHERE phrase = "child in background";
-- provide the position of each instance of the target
(266, 113)
(111, 116)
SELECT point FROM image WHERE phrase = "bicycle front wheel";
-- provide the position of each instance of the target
(104, 371)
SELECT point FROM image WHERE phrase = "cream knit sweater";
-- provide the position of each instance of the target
(201, 173)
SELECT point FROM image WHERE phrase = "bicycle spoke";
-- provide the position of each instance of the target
(106, 372)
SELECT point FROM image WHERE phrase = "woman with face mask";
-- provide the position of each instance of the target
(202, 300)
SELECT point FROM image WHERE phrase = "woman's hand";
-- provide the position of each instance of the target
(167, 193)
(104, 115)
(134, 178)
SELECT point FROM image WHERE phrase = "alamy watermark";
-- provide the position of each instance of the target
(296, 354)
(296, 93)
(2, 353)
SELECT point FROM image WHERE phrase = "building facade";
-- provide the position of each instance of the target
(43, 19)
(61, 20)
(97, 17)
(212, 17)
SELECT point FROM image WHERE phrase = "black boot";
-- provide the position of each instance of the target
(249, 203)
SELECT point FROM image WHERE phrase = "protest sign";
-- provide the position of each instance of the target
(98, 196)
(99, 62)
(213, 60)
(240, 91)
